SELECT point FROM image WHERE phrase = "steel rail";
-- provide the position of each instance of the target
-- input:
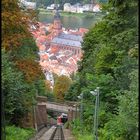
(58, 134)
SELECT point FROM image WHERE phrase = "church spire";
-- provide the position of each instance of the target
(57, 26)
(57, 15)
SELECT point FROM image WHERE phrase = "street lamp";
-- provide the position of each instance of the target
(81, 110)
(95, 130)
(3, 136)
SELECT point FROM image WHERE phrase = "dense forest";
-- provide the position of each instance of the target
(110, 61)
(22, 77)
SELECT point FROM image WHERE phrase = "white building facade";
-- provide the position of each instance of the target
(28, 5)
(67, 7)
(78, 8)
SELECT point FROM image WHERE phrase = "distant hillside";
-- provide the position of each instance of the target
(62, 2)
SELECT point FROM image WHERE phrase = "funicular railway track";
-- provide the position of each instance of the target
(58, 134)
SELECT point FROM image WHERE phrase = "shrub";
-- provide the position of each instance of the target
(17, 133)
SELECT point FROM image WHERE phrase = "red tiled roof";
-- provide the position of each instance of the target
(54, 49)
(45, 56)
(41, 47)
(83, 30)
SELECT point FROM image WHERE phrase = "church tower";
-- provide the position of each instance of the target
(57, 26)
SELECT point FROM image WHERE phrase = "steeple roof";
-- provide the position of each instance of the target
(57, 15)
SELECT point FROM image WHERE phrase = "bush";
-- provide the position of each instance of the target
(16, 133)
(85, 137)
(50, 97)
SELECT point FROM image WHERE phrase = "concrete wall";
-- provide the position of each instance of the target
(41, 116)
(73, 114)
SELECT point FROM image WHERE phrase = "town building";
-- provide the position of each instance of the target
(52, 6)
(67, 7)
(28, 5)
(97, 8)
(60, 50)
(87, 7)
(78, 8)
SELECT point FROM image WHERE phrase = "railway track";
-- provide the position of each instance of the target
(58, 134)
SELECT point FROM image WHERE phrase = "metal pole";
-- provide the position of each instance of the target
(75, 111)
(81, 114)
(35, 120)
(95, 127)
(3, 136)
(95, 120)
(81, 111)
(35, 113)
(97, 113)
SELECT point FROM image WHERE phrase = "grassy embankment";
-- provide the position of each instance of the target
(83, 136)
(16, 133)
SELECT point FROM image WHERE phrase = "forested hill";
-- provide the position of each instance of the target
(110, 62)
(21, 74)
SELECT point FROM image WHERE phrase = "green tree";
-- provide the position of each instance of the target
(125, 124)
(61, 86)
(41, 87)
(110, 55)
(14, 25)
(15, 90)
(20, 69)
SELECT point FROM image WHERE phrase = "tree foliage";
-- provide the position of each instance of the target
(110, 56)
(21, 73)
(17, 93)
(61, 86)
(14, 25)
(30, 69)
(125, 124)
